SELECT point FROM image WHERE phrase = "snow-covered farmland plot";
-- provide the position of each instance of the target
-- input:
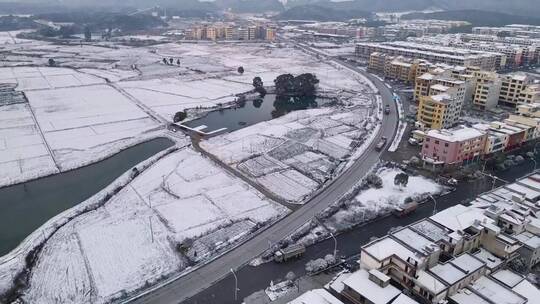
(170, 95)
(36, 78)
(83, 124)
(294, 155)
(133, 240)
(23, 153)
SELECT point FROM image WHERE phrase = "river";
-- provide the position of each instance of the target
(25, 207)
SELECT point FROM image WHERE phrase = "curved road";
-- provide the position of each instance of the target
(182, 288)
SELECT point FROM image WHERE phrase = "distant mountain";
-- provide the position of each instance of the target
(517, 7)
(476, 17)
(321, 13)
(251, 6)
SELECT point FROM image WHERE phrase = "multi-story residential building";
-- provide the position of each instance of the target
(437, 54)
(270, 34)
(438, 76)
(252, 33)
(452, 147)
(487, 89)
(439, 110)
(211, 33)
(511, 88)
(231, 33)
(530, 94)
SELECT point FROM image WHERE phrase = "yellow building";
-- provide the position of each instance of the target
(401, 70)
(270, 34)
(531, 94)
(487, 88)
(512, 87)
(211, 33)
(440, 111)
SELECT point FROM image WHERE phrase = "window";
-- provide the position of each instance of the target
(446, 144)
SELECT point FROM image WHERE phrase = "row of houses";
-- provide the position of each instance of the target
(447, 148)
(437, 54)
(458, 256)
(218, 31)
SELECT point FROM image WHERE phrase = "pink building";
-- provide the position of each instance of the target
(453, 146)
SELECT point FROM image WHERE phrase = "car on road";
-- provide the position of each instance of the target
(382, 142)
(387, 109)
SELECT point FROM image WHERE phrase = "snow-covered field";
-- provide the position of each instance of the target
(294, 155)
(132, 241)
(23, 153)
(81, 122)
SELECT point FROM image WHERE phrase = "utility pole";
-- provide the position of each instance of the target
(151, 229)
(235, 285)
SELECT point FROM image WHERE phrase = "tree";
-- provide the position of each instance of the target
(171, 61)
(259, 86)
(179, 116)
(178, 62)
(306, 84)
(241, 70)
(290, 276)
(374, 180)
(87, 34)
(401, 179)
(165, 61)
(52, 62)
(284, 84)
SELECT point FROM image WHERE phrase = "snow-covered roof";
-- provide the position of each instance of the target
(496, 292)
(359, 281)
(385, 247)
(456, 134)
(316, 296)
(465, 296)
(429, 282)
(491, 261)
(507, 277)
(530, 194)
(430, 230)
(529, 239)
(337, 283)
(403, 299)
(439, 87)
(467, 262)
(415, 241)
(527, 290)
(448, 273)
(459, 217)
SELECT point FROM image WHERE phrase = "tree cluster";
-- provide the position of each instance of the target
(170, 61)
(301, 85)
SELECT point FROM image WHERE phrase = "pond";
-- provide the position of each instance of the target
(255, 111)
(25, 207)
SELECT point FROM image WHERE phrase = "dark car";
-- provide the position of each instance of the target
(387, 109)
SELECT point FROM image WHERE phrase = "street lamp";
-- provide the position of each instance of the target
(331, 234)
(235, 285)
(434, 204)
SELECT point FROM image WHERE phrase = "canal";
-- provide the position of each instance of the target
(254, 111)
(25, 207)
(252, 279)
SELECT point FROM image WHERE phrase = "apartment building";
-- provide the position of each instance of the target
(487, 89)
(215, 31)
(511, 88)
(530, 94)
(439, 110)
(436, 54)
(270, 34)
(452, 147)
